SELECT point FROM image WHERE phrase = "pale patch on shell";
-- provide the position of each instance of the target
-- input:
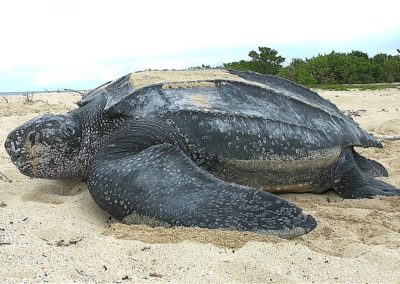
(145, 78)
(142, 79)
(200, 101)
(191, 84)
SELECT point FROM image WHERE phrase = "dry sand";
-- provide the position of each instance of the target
(53, 231)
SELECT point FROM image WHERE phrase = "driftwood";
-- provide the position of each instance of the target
(350, 112)
(4, 177)
(394, 137)
(75, 91)
(29, 99)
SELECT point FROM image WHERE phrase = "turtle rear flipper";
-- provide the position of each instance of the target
(355, 183)
(361, 185)
(371, 167)
(162, 183)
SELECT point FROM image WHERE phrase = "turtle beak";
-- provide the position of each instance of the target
(10, 146)
(14, 151)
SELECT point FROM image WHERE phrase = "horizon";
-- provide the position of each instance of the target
(82, 88)
(69, 44)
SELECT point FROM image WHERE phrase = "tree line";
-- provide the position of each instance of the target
(355, 67)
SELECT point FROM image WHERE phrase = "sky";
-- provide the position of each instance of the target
(80, 44)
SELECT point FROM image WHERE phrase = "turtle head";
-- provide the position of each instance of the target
(46, 146)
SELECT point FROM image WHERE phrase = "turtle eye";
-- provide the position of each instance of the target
(31, 138)
(69, 131)
(49, 140)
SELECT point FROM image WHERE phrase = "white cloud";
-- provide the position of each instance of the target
(73, 39)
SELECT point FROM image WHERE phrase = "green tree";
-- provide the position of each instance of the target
(298, 71)
(332, 68)
(320, 69)
(379, 61)
(341, 68)
(241, 65)
(358, 53)
(265, 61)
(203, 66)
(391, 69)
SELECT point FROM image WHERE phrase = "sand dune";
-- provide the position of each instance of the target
(53, 230)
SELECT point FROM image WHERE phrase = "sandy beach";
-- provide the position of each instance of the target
(52, 231)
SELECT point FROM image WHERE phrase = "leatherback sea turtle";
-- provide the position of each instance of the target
(189, 148)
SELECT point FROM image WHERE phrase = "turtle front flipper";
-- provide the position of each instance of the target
(162, 183)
